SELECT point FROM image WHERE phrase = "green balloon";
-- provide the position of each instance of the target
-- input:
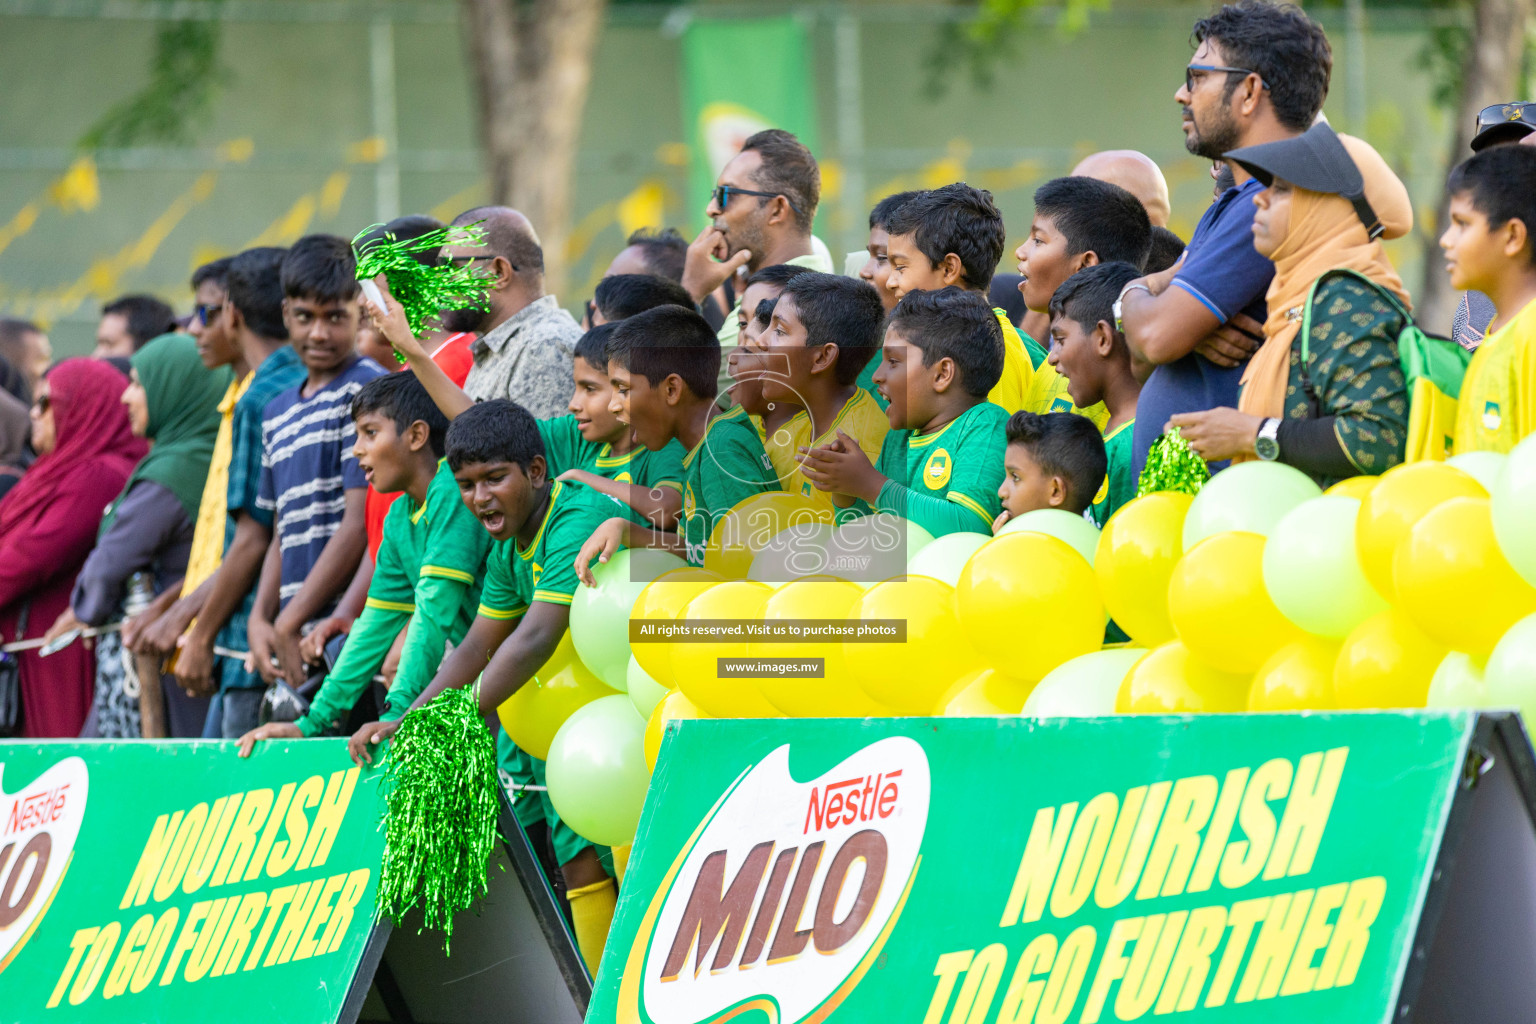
(1079, 534)
(945, 557)
(872, 548)
(1084, 687)
(1484, 467)
(1514, 509)
(644, 692)
(1249, 496)
(1457, 683)
(1510, 674)
(600, 614)
(596, 771)
(1312, 571)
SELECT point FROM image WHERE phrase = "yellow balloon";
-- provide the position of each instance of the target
(910, 675)
(1029, 603)
(1354, 487)
(1138, 549)
(696, 662)
(1403, 496)
(533, 714)
(837, 693)
(1454, 582)
(982, 694)
(1385, 663)
(750, 524)
(1298, 677)
(671, 708)
(1170, 680)
(661, 601)
(1220, 608)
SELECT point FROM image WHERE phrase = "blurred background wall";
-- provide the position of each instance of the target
(330, 115)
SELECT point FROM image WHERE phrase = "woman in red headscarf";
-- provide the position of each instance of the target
(48, 525)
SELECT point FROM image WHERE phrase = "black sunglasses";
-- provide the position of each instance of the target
(205, 313)
(1507, 113)
(464, 261)
(722, 196)
(1189, 74)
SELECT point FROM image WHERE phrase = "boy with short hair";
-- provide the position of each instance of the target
(498, 462)
(877, 269)
(1091, 353)
(953, 236)
(824, 330)
(1078, 223)
(664, 364)
(253, 316)
(310, 480)
(597, 449)
(621, 296)
(1490, 248)
(942, 462)
(746, 363)
(426, 580)
(1055, 460)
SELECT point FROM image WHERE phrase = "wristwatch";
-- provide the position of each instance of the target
(1267, 444)
(1120, 299)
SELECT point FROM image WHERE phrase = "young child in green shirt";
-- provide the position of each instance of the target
(594, 447)
(1054, 460)
(499, 465)
(942, 462)
(664, 364)
(428, 567)
(1091, 353)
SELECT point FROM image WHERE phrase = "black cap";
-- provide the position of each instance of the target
(1503, 122)
(1314, 160)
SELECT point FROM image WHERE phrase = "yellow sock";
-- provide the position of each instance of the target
(621, 860)
(592, 914)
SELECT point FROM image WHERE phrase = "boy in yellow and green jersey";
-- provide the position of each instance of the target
(594, 447)
(429, 562)
(942, 462)
(537, 525)
(1092, 356)
(1489, 248)
(664, 364)
(824, 329)
(1078, 223)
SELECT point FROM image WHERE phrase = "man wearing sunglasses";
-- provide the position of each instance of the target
(1259, 74)
(760, 215)
(1502, 124)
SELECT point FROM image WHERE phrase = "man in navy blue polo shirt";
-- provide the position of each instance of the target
(1259, 74)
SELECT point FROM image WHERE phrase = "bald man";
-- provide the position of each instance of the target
(527, 341)
(1135, 172)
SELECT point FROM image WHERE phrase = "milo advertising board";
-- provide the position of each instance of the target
(972, 871)
(171, 881)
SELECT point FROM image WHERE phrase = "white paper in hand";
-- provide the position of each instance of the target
(372, 294)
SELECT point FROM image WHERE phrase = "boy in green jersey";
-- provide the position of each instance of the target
(1090, 352)
(1055, 460)
(594, 447)
(664, 364)
(497, 459)
(429, 562)
(942, 462)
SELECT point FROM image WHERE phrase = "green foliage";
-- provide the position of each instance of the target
(184, 76)
(980, 41)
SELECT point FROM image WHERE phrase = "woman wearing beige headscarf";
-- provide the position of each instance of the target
(1343, 411)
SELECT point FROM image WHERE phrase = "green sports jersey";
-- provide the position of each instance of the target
(728, 466)
(1119, 484)
(946, 481)
(546, 570)
(427, 574)
(565, 448)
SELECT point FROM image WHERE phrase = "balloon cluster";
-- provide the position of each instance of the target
(1259, 593)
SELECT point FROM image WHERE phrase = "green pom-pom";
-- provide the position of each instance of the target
(1172, 465)
(424, 289)
(440, 793)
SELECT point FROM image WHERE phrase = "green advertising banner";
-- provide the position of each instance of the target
(739, 77)
(1019, 871)
(176, 882)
